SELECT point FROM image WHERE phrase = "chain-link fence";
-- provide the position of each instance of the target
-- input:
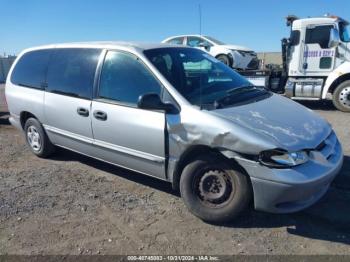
(5, 64)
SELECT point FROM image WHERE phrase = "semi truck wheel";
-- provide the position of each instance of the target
(341, 96)
(214, 191)
(224, 59)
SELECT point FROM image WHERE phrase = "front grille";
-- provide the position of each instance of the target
(254, 64)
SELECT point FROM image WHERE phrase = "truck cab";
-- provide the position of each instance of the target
(318, 46)
(316, 62)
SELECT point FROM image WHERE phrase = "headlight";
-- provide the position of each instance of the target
(241, 52)
(281, 158)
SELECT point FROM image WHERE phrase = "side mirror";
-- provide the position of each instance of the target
(334, 38)
(205, 45)
(152, 101)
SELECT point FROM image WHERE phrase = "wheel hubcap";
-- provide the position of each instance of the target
(344, 97)
(34, 138)
(215, 188)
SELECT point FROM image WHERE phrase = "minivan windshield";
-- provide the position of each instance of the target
(203, 80)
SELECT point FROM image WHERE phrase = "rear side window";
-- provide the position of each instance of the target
(124, 78)
(31, 68)
(71, 71)
(318, 35)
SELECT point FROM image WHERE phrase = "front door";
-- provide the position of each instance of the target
(317, 57)
(124, 134)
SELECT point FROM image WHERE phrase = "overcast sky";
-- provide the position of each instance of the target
(257, 24)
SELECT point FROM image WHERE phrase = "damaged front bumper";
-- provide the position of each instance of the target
(293, 189)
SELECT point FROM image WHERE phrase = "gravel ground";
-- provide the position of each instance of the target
(71, 204)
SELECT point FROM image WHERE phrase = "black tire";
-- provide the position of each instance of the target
(221, 209)
(341, 96)
(224, 59)
(37, 139)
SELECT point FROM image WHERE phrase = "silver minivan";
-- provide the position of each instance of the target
(177, 114)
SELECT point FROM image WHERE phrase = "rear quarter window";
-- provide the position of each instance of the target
(30, 70)
(72, 71)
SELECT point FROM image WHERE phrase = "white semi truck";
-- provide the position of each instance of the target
(316, 62)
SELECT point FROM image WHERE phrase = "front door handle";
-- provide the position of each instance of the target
(100, 115)
(83, 111)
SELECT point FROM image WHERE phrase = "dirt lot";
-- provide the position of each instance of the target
(71, 204)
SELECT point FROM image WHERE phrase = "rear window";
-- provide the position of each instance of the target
(71, 71)
(295, 37)
(31, 68)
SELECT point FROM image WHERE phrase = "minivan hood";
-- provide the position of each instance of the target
(237, 47)
(285, 123)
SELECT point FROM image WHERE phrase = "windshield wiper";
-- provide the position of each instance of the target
(239, 94)
(240, 89)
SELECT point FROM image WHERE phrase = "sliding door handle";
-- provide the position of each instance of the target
(100, 115)
(83, 111)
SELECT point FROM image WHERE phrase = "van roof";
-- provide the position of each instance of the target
(137, 46)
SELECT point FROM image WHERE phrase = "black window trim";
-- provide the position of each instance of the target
(42, 88)
(96, 96)
(54, 49)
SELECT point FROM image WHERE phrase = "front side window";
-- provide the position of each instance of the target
(318, 35)
(201, 79)
(176, 41)
(195, 41)
(344, 32)
(30, 70)
(124, 78)
(218, 42)
(71, 71)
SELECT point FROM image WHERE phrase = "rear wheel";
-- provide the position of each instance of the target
(214, 191)
(224, 59)
(37, 139)
(341, 96)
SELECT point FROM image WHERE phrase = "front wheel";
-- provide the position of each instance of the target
(224, 59)
(341, 96)
(214, 191)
